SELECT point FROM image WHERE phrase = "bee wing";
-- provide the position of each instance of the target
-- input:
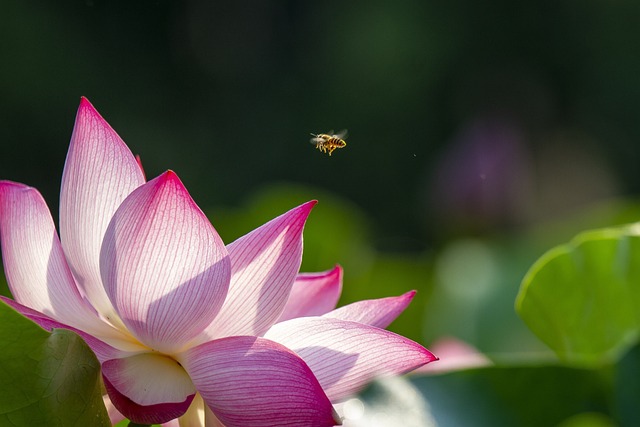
(342, 134)
(315, 139)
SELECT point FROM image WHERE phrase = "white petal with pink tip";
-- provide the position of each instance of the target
(100, 171)
(344, 355)
(165, 268)
(35, 266)
(264, 266)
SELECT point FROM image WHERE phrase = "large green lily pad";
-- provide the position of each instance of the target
(47, 379)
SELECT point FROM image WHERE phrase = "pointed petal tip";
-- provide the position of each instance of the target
(85, 104)
(427, 356)
(336, 274)
(304, 209)
(430, 357)
(166, 177)
(170, 176)
(87, 116)
(171, 179)
(337, 271)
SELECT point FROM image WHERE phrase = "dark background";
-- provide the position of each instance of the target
(226, 94)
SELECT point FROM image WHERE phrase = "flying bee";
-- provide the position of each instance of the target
(327, 142)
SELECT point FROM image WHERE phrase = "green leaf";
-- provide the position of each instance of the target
(50, 379)
(583, 298)
(526, 396)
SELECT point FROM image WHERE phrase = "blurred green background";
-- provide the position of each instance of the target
(480, 134)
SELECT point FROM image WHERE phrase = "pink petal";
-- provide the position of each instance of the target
(313, 294)
(139, 161)
(99, 173)
(149, 414)
(376, 312)
(455, 355)
(344, 355)
(253, 382)
(149, 379)
(264, 265)
(102, 350)
(164, 266)
(34, 264)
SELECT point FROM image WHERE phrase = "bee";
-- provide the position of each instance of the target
(327, 142)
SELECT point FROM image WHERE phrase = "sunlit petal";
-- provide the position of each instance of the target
(99, 173)
(344, 355)
(164, 266)
(34, 264)
(264, 266)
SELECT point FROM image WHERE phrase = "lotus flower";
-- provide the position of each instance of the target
(172, 313)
